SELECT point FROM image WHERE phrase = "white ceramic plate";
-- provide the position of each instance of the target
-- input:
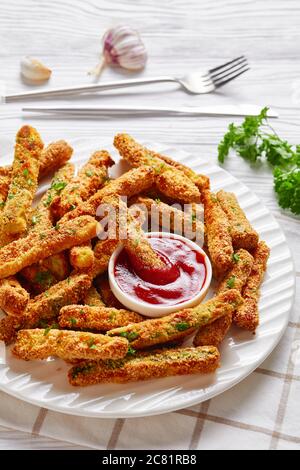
(45, 383)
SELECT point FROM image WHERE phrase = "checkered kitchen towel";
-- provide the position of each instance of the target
(262, 412)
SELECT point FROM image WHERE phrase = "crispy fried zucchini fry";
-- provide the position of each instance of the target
(247, 315)
(102, 253)
(170, 181)
(201, 181)
(9, 326)
(129, 184)
(82, 256)
(48, 304)
(23, 184)
(68, 345)
(106, 293)
(84, 317)
(93, 298)
(58, 265)
(147, 365)
(91, 177)
(217, 235)
(242, 234)
(180, 324)
(236, 278)
(39, 277)
(54, 156)
(171, 218)
(36, 246)
(13, 297)
(5, 179)
(135, 242)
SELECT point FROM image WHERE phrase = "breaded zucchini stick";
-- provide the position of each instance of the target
(68, 345)
(129, 184)
(106, 293)
(180, 324)
(39, 277)
(13, 297)
(201, 181)
(236, 278)
(218, 237)
(91, 177)
(241, 231)
(247, 315)
(48, 304)
(37, 246)
(102, 253)
(44, 274)
(171, 218)
(82, 256)
(5, 179)
(135, 241)
(169, 180)
(93, 298)
(41, 217)
(146, 366)
(24, 179)
(9, 326)
(53, 157)
(84, 317)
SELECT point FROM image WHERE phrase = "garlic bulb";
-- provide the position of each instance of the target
(33, 70)
(122, 46)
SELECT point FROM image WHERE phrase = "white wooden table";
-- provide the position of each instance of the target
(179, 35)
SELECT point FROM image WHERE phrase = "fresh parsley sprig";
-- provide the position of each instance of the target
(255, 140)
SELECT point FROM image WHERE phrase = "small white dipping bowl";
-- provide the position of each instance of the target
(145, 308)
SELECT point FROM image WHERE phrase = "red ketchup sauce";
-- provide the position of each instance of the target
(187, 268)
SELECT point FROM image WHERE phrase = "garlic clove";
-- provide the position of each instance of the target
(33, 70)
(122, 46)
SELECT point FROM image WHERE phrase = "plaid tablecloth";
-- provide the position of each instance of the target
(262, 412)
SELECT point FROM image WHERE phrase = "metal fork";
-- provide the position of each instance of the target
(197, 82)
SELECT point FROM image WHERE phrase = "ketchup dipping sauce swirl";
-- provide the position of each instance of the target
(183, 283)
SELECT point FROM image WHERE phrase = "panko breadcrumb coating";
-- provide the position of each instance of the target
(247, 315)
(24, 180)
(146, 366)
(242, 234)
(91, 177)
(9, 325)
(82, 256)
(41, 217)
(84, 317)
(68, 345)
(93, 298)
(170, 181)
(53, 157)
(134, 239)
(13, 297)
(218, 237)
(171, 218)
(179, 324)
(102, 253)
(106, 293)
(201, 181)
(129, 184)
(37, 246)
(236, 278)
